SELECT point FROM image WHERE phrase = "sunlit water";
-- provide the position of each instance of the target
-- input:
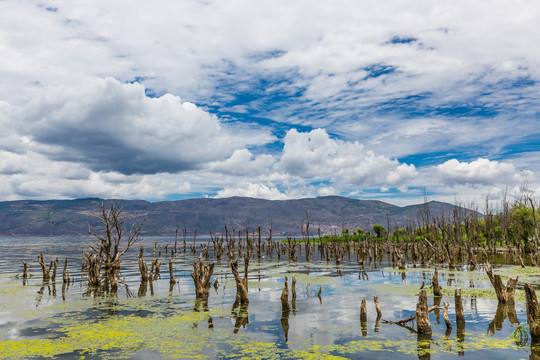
(53, 320)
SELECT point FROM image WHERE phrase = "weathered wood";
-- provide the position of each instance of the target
(533, 312)
(460, 312)
(422, 315)
(435, 283)
(285, 297)
(377, 307)
(171, 276)
(445, 315)
(510, 290)
(46, 272)
(241, 284)
(363, 312)
(25, 270)
(201, 277)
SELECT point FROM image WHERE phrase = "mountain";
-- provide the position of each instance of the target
(330, 214)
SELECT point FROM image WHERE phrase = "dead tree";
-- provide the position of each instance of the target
(241, 283)
(505, 294)
(46, 272)
(171, 277)
(25, 270)
(114, 242)
(533, 312)
(422, 314)
(65, 273)
(201, 277)
(285, 297)
(435, 282)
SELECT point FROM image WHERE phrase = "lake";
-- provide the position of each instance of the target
(159, 322)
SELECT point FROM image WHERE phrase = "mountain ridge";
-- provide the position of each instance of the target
(205, 215)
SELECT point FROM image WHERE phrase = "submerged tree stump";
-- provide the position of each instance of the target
(25, 270)
(363, 312)
(171, 277)
(445, 315)
(201, 277)
(505, 294)
(435, 282)
(241, 283)
(46, 272)
(285, 297)
(533, 312)
(422, 314)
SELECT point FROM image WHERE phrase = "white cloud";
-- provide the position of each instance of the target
(481, 171)
(315, 155)
(242, 162)
(260, 191)
(110, 126)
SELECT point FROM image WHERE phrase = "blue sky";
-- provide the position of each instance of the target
(272, 99)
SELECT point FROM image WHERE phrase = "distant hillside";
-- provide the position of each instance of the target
(330, 213)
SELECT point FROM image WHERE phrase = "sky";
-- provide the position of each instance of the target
(165, 100)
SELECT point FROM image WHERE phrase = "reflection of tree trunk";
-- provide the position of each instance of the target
(285, 323)
(533, 312)
(423, 346)
(535, 351)
(497, 322)
(242, 317)
(460, 321)
(511, 313)
(437, 303)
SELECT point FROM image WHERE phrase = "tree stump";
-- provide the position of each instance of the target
(46, 272)
(505, 294)
(422, 314)
(363, 312)
(445, 315)
(241, 283)
(435, 282)
(533, 312)
(171, 277)
(285, 297)
(201, 277)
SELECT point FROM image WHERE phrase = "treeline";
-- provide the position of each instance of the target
(511, 224)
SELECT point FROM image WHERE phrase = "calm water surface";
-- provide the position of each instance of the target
(51, 320)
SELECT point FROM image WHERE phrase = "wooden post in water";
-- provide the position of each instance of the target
(285, 297)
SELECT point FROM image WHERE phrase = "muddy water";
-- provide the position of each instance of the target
(156, 322)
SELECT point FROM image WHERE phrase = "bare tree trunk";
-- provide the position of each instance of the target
(46, 273)
(285, 297)
(533, 312)
(435, 282)
(422, 314)
(241, 283)
(201, 277)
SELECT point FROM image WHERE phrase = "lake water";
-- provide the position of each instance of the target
(51, 320)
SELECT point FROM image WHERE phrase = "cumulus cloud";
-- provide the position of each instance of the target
(256, 190)
(111, 126)
(315, 155)
(481, 171)
(242, 162)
